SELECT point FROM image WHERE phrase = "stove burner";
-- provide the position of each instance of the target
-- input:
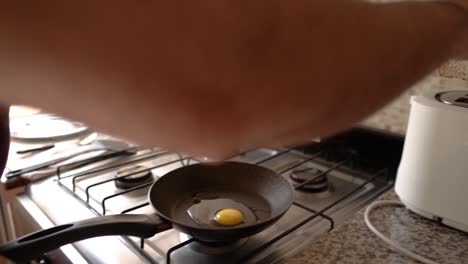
(137, 175)
(213, 248)
(319, 184)
(217, 248)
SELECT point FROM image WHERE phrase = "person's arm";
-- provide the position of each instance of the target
(4, 137)
(214, 76)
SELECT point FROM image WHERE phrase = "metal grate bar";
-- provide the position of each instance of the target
(336, 166)
(134, 208)
(237, 155)
(104, 168)
(332, 223)
(91, 160)
(181, 158)
(114, 165)
(384, 172)
(129, 174)
(301, 163)
(103, 202)
(294, 228)
(176, 247)
(274, 156)
(279, 237)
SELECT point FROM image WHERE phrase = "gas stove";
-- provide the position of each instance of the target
(333, 179)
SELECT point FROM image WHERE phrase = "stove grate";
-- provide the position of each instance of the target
(184, 161)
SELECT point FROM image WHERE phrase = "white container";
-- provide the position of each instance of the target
(432, 179)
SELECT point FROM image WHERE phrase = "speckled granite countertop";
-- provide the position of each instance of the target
(394, 117)
(352, 242)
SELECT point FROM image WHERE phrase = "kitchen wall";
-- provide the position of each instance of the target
(394, 117)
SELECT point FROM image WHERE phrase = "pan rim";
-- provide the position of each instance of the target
(204, 228)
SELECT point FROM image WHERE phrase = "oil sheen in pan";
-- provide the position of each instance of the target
(204, 211)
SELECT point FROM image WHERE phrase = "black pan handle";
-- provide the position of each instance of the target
(36, 244)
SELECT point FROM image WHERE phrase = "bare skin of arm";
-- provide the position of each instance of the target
(214, 77)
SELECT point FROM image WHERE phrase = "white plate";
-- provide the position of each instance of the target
(44, 127)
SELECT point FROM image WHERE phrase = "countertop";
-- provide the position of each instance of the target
(352, 242)
(394, 116)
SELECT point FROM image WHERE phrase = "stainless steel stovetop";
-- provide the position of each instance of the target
(334, 178)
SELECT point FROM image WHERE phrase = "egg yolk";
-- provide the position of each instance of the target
(229, 217)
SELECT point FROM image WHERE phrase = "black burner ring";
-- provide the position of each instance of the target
(137, 175)
(318, 184)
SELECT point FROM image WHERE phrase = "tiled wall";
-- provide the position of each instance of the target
(394, 117)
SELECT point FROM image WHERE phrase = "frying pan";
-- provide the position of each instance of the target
(266, 192)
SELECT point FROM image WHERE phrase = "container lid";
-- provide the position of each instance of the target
(456, 98)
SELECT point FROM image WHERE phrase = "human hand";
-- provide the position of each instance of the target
(461, 49)
(460, 3)
(210, 79)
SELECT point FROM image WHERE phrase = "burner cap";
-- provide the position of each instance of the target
(319, 184)
(217, 248)
(137, 175)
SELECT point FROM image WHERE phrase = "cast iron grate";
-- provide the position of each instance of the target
(347, 161)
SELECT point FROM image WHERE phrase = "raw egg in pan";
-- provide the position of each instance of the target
(221, 212)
